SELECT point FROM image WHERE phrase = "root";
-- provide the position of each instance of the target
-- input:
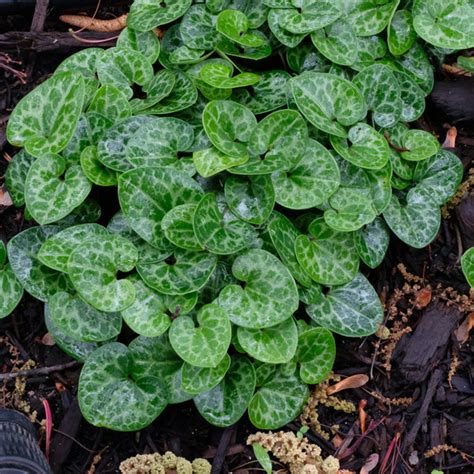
(94, 24)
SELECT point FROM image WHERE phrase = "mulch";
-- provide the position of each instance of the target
(419, 401)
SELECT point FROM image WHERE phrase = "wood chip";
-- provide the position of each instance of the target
(423, 298)
(354, 381)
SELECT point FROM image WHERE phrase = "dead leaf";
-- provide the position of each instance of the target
(5, 199)
(354, 381)
(47, 340)
(450, 141)
(370, 464)
(337, 441)
(423, 298)
(362, 415)
(462, 332)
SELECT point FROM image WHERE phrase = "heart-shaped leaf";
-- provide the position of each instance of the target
(445, 24)
(316, 355)
(439, 176)
(278, 401)
(353, 309)
(94, 170)
(380, 88)
(372, 16)
(93, 268)
(286, 38)
(82, 322)
(148, 14)
(204, 345)
(372, 242)
(251, 199)
(219, 75)
(177, 225)
(310, 182)
(229, 48)
(400, 34)
(156, 90)
(184, 272)
(147, 194)
(328, 102)
(283, 235)
(88, 211)
(364, 147)
(144, 42)
(111, 102)
(270, 93)
(158, 142)
(208, 91)
(12, 291)
(226, 403)
(110, 396)
(467, 264)
(327, 256)
(219, 231)
(416, 64)
(57, 249)
(211, 161)
(123, 67)
(197, 380)
(45, 119)
(415, 219)
(276, 143)
(37, 279)
(268, 295)
(52, 191)
(370, 49)
(412, 96)
(275, 345)
(154, 357)
(16, 174)
(197, 28)
(147, 315)
(229, 126)
(420, 145)
(234, 25)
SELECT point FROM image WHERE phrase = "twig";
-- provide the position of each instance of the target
(39, 17)
(221, 453)
(39, 371)
(395, 147)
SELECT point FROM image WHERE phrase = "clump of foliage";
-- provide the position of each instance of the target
(260, 153)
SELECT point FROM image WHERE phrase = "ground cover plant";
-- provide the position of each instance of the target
(261, 155)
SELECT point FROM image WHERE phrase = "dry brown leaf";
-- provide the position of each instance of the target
(5, 199)
(370, 464)
(462, 332)
(47, 340)
(354, 381)
(423, 298)
(450, 141)
(94, 24)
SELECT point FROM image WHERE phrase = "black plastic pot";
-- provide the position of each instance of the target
(19, 449)
(15, 6)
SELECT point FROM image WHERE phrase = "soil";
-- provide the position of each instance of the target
(421, 390)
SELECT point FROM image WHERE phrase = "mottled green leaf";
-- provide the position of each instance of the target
(219, 75)
(111, 102)
(15, 176)
(95, 170)
(197, 28)
(286, 38)
(144, 42)
(148, 14)
(197, 380)
(369, 17)
(234, 25)
(211, 161)
(177, 225)
(467, 264)
(11, 288)
(156, 90)
(372, 242)
(400, 34)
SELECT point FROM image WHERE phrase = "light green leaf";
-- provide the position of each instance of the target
(234, 25)
(148, 14)
(372, 16)
(211, 161)
(372, 242)
(412, 96)
(327, 256)
(353, 309)
(328, 102)
(229, 48)
(262, 456)
(93, 268)
(420, 145)
(197, 380)
(197, 28)
(400, 34)
(268, 295)
(94, 170)
(316, 355)
(226, 403)
(467, 265)
(465, 62)
(177, 225)
(45, 119)
(274, 345)
(219, 75)
(112, 396)
(286, 38)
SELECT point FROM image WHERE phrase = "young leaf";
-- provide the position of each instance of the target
(310, 182)
(110, 396)
(146, 15)
(15, 176)
(226, 403)
(177, 225)
(45, 119)
(147, 194)
(250, 199)
(57, 249)
(53, 190)
(400, 34)
(93, 268)
(269, 295)
(204, 345)
(197, 380)
(274, 345)
(328, 102)
(217, 230)
(147, 315)
(229, 48)
(262, 456)
(353, 309)
(234, 25)
(94, 170)
(467, 264)
(219, 75)
(211, 161)
(184, 272)
(82, 322)
(277, 402)
(146, 43)
(372, 242)
(37, 279)
(420, 145)
(229, 126)
(327, 256)
(364, 147)
(316, 355)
